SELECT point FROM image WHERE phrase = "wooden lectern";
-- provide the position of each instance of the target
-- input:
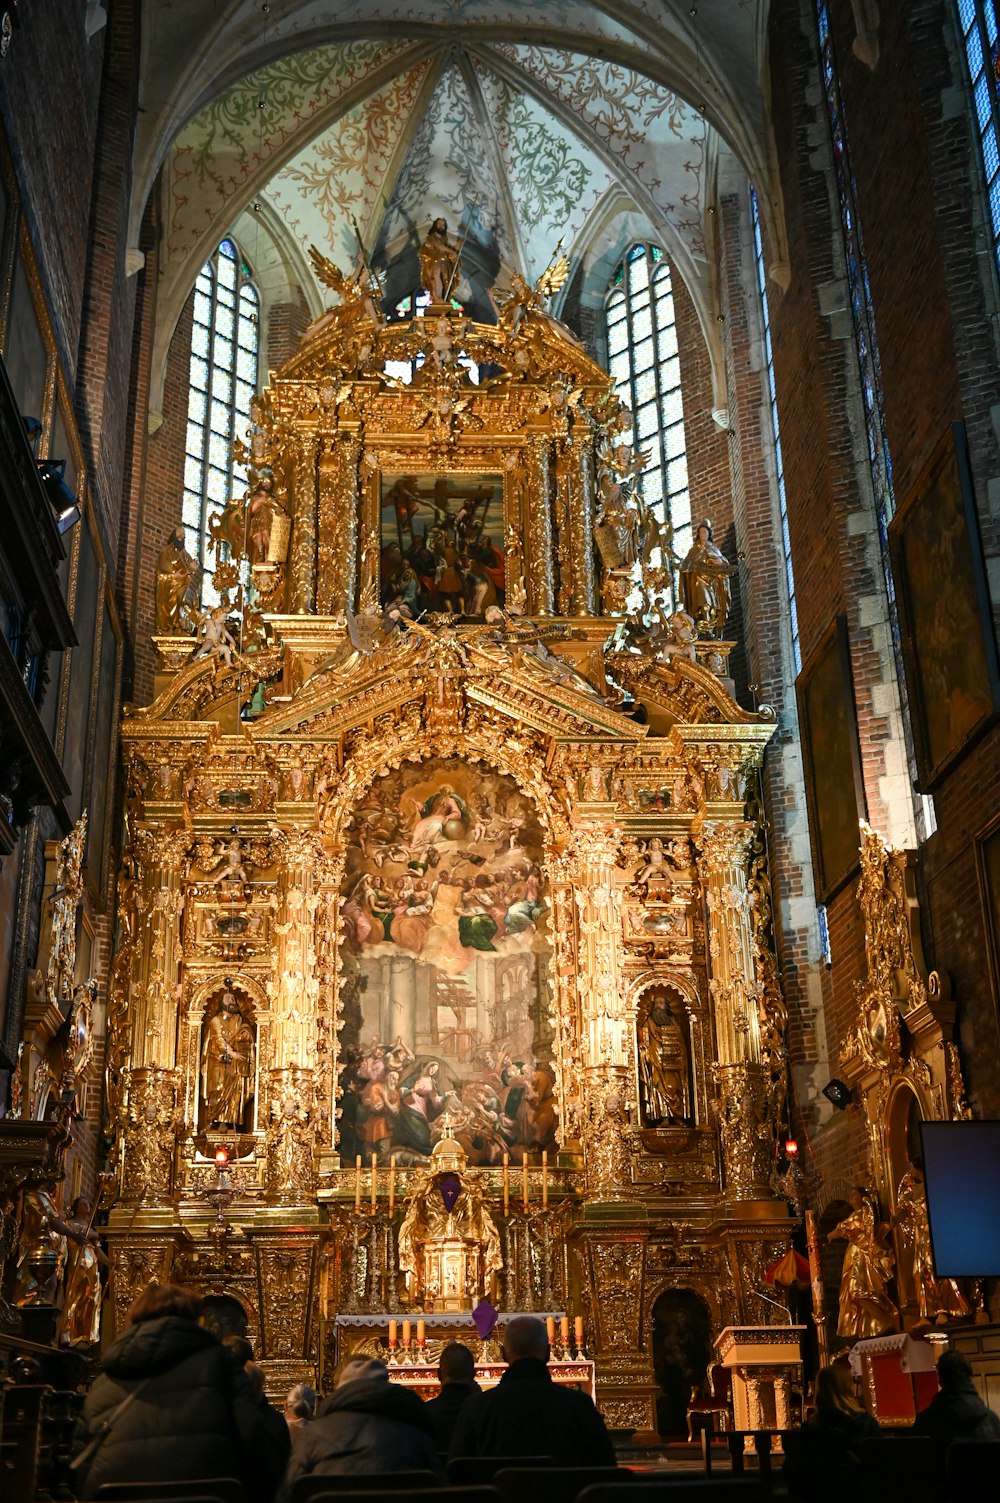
(763, 1361)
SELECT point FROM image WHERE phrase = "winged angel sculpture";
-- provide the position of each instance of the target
(522, 311)
(359, 292)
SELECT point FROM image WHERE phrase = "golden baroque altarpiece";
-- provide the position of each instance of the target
(441, 844)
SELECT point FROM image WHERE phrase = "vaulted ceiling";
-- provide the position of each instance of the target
(522, 121)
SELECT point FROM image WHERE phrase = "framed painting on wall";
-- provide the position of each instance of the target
(831, 755)
(949, 647)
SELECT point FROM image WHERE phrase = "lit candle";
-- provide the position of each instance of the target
(357, 1183)
(550, 1329)
(407, 1328)
(564, 1330)
(524, 1179)
(421, 1332)
(393, 1330)
(578, 1332)
(545, 1180)
(392, 1184)
(374, 1183)
(506, 1184)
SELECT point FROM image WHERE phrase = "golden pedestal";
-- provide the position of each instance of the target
(763, 1361)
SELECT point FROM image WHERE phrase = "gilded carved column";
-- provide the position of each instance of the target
(740, 1075)
(303, 560)
(291, 1133)
(538, 508)
(339, 510)
(582, 530)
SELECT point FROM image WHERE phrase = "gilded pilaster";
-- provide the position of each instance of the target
(339, 509)
(303, 564)
(538, 527)
(614, 1270)
(741, 1079)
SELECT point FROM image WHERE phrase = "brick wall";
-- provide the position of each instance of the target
(162, 495)
(49, 93)
(286, 323)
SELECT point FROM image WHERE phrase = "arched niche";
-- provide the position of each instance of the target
(445, 964)
(666, 1092)
(228, 1062)
(681, 1341)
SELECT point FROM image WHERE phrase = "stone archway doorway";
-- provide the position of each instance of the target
(682, 1354)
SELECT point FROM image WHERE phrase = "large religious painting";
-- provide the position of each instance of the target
(949, 648)
(831, 754)
(445, 960)
(442, 542)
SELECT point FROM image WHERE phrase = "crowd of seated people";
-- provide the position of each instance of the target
(173, 1403)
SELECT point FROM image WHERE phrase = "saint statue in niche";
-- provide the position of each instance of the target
(439, 262)
(664, 1068)
(227, 1065)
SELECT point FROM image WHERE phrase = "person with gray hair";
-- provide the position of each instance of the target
(527, 1414)
(366, 1425)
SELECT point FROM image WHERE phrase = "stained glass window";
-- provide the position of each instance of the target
(772, 402)
(977, 20)
(642, 358)
(225, 349)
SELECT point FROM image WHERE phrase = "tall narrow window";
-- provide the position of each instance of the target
(644, 364)
(977, 20)
(225, 344)
(772, 401)
(870, 369)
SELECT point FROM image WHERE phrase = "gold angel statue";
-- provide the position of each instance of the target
(937, 1298)
(523, 309)
(865, 1307)
(359, 294)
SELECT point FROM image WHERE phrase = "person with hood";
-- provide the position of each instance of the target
(527, 1414)
(171, 1404)
(457, 1371)
(822, 1458)
(956, 1412)
(366, 1425)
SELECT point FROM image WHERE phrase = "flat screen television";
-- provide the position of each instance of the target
(962, 1176)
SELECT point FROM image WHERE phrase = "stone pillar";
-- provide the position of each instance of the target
(303, 559)
(740, 1077)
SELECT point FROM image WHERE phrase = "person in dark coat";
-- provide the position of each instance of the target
(279, 1440)
(956, 1412)
(821, 1459)
(527, 1414)
(457, 1371)
(171, 1405)
(366, 1425)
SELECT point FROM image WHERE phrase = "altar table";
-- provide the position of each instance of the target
(898, 1376)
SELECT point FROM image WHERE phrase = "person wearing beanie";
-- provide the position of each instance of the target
(366, 1425)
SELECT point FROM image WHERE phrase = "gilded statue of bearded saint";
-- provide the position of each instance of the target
(81, 1322)
(937, 1298)
(227, 1065)
(865, 1307)
(176, 572)
(705, 589)
(439, 262)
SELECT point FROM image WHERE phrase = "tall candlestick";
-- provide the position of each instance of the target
(374, 1183)
(524, 1178)
(357, 1183)
(578, 1332)
(392, 1184)
(564, 1329)
(550, 1329)
(545, 1180)
(407, 1328)
(506, 1184)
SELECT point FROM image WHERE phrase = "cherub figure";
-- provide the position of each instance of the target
(216, 638)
